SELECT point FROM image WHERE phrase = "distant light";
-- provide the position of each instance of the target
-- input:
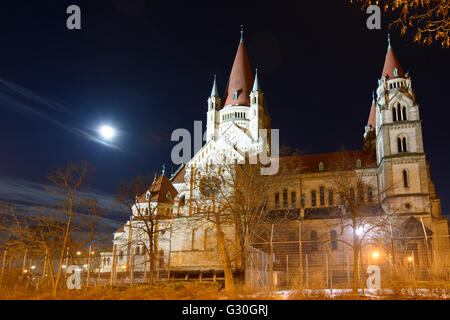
(85, 266)
(92, 252)
(375, 255)
(107, 132)
(33, 267)
(124, 267)
(25, 271)
(78, 253)
(410, 259)
(63, 266)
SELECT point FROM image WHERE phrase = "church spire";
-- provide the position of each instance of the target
(256, 87)
(372, 122)
(242, 33)
(392, 68)
(240, 82)
(214, 91)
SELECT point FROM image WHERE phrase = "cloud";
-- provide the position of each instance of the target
(26, 196)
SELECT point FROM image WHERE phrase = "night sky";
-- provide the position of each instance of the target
(147, 69)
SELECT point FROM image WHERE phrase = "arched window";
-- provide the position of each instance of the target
(399, 145)
(120, 255)
(313, 238)
(138, 251)
(405, 179)
(341, 198)
(277, 200)
(330, 197)
(404, 149)
(313, 198)
(333, 238)
(369, 194)
(285, 200)
(352, 196)
(404, 113)
(360, 193)
(293, 200)
(394, 114)
(322, 196)
(399, 112)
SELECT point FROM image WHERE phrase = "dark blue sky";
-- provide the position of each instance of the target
(147, 69)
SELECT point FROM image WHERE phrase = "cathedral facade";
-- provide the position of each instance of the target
(392, 165)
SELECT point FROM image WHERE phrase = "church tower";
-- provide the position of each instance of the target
(214, 104)
(403, 177)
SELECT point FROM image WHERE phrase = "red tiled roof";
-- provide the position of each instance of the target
(390, 64)
(159, 189)
(331, 162)
(179, 177)
(372, 122)
(241, 79)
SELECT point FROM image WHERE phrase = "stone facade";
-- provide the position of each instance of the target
(395, 173)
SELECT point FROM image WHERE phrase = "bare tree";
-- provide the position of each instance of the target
(53, 232)
(150, 207)
(428, 19)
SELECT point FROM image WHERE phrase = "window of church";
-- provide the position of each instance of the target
(352, 196)
(277, 200)
(321, 166)
(330, 197)
(285, 200)
(369, 194)
(322, 196)
(405, 179)
(313, 198)
(360, 193)
(341, 198)
(333, 238)
(405, 149)
(293, 200)
(394, 114)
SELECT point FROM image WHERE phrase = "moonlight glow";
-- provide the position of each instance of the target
(107, 132)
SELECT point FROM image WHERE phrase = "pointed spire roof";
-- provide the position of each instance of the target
(214, 91)
(159, 189)
(391, 63)
(241, 79)
(372, 121)
(256, 86)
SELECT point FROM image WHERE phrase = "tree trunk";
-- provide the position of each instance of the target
(229, 283)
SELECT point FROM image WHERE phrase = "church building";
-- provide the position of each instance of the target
(392, 163)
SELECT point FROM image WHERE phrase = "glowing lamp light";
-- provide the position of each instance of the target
(123, 267)
(85, 266)
(25, 271)
(410, 259)
(92, 252)
(78, 253)
(63, 266)
(375, 255)
(33, 267)
(107, 132)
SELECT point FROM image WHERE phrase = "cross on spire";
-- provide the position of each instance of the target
(163, 168)
(389, 40)
(242, 33)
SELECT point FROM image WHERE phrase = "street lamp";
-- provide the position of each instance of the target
(410, 259)
(78, 253)
(375, 254)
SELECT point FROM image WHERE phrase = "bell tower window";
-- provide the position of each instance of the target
(405, 179)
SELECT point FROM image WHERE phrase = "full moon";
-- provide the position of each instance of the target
(107, 132)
